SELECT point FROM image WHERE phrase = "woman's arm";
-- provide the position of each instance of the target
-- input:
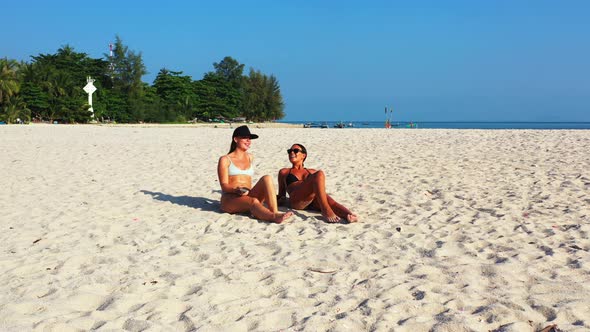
(282, 184)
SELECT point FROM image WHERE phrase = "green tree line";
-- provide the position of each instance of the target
(50, 88)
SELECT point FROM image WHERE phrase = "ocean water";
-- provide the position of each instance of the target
(449, 125)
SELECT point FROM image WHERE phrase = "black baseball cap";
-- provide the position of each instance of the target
(244, 131)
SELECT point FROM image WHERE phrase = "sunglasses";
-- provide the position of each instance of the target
(295, 151)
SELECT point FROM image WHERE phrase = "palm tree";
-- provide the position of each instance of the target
(55, 87)
(16, 108)
(186, 107)
(9, 85)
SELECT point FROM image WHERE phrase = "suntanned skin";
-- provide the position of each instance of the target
(310, 190)
(235, 201)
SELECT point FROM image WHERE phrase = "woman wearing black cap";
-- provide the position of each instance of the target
(307, 188)
(235, 171)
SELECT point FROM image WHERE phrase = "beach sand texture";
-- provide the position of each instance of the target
(119, 228)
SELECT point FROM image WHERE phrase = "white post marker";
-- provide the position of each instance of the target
(89, 89)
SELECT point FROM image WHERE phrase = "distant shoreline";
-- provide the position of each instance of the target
(207, 125)
(453, 124)
(356, 125)
(179, 125)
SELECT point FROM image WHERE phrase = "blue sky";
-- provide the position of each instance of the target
(346, 60)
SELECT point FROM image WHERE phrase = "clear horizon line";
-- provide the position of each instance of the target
(421, 121)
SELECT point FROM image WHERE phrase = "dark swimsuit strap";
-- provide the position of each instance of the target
(308, 172)
(294, 176)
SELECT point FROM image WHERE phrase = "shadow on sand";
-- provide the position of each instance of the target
(200, 203)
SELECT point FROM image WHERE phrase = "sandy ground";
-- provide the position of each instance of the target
(118, 228)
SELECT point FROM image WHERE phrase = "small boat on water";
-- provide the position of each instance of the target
(325, 125)
(343, 125)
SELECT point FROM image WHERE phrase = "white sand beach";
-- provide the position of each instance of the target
(118, 228)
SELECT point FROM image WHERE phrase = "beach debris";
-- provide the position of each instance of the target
(399, 229)
(321, 271)
(47, 293)
(36, 240)
(568, 227)
(135, 219)
(153, 282)
(550, 328)
(434, 193)
(576, 247)
(418, 295)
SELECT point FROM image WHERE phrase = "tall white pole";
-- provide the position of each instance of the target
(89, 89)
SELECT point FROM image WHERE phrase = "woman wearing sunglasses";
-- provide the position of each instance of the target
(307, 188)
(235, 171)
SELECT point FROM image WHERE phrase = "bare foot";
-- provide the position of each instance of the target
(280, 217)
(351, 217)
(331, 218)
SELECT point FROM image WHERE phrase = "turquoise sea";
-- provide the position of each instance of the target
(447, 125)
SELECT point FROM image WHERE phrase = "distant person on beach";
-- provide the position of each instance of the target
(307, 188)
(235, 171)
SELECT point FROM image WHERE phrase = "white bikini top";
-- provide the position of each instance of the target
(234, 170)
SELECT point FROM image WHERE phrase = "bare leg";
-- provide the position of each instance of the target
(342, 211)
(261, 212)
(264, 191)
(313, 188)
(319, 184)
(237, 204)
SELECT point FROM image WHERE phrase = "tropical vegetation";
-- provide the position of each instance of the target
(50, 88)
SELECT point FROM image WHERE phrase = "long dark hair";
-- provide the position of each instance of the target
(233, 146)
